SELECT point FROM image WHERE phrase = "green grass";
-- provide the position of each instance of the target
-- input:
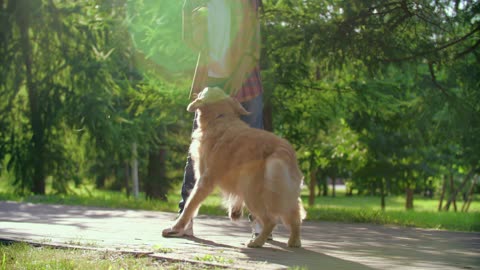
(24, 256)
(392, 202)
(365, 209)
(215, 259)
(454, 221)
(88, 196)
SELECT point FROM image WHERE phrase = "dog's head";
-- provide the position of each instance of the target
(214, 97)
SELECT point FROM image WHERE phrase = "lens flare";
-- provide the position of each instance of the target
(155, 27)
(228, 34)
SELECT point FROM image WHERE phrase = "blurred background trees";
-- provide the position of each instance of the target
(380, 95)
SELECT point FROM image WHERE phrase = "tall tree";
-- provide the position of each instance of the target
(415, 47)
(62, 63)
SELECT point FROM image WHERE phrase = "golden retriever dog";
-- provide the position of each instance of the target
(252, 167)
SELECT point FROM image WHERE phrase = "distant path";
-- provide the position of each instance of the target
(326, 245)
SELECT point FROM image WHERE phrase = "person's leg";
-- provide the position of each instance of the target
(188, 176)
(255, 107)
(188, 184)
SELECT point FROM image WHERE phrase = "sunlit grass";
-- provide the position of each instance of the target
(456, 221)
(216, 259)
(367, 209)
(24, 256)
(396, 203)
(88, 196)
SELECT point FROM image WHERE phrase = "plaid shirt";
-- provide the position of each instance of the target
(252, 84)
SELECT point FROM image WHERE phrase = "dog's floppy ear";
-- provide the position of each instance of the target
(194, 105)
(238, 107)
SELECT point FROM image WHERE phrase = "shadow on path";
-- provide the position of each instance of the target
(277, 253)
(52, 214)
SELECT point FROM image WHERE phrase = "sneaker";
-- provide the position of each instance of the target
(257, 228)
(187, 232)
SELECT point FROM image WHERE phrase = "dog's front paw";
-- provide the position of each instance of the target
(255, 243)
(173, 232)
(294, 243)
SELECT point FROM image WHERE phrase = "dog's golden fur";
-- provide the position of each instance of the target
(251, 166)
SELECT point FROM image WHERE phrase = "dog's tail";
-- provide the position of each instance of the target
(286, 153)
(283, 179)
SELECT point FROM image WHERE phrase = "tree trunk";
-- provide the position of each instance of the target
(466, 204)
(136, 186)
(127, 179)
(320, 183)
(409, 199)
(334, 180)
(452, 189)
(100, 180)
(38, 133)
(313, 183)
(382, 194)
(325, 186)
(388, 186)
(442, 194)
(455, 191)
(373, 189)
(155, 185)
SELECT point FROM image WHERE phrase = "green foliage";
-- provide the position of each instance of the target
(58, 64)
(156, 30)
(394, 71)
(90, 93)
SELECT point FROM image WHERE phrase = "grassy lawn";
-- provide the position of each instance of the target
(365, 209)
(23, 256)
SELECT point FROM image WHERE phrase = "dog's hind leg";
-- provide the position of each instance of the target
(268, 225)
(293, 221)
(202, 189)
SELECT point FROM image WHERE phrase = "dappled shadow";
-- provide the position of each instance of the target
(207, 242)
(372, 245)
(274, 252)
(51, 214)
(407, 247)
(302, 257)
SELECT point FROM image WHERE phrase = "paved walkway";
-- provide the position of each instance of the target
(326, 245)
